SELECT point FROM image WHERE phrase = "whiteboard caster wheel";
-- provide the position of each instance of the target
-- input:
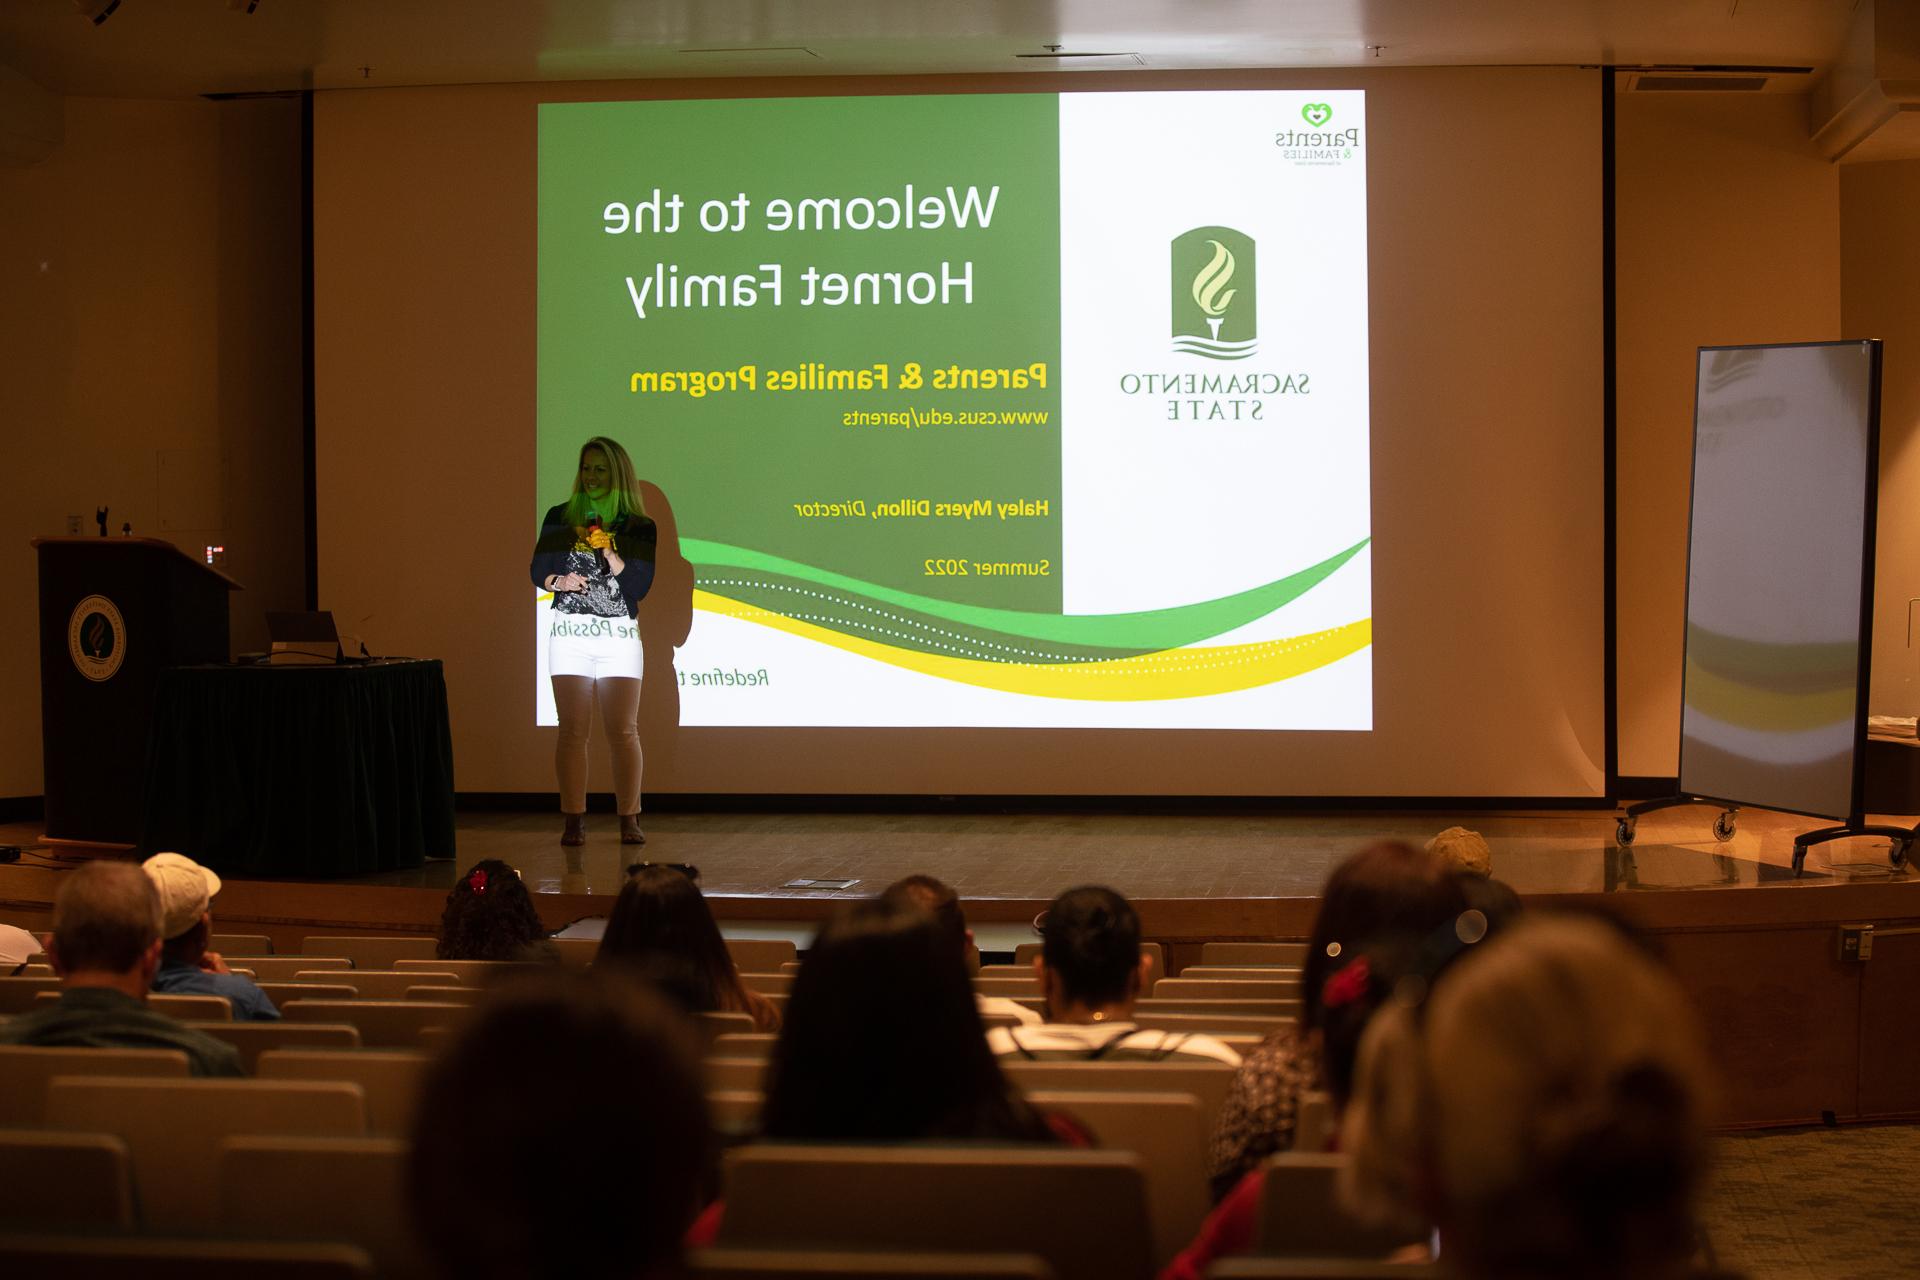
(1723, 826)
(1623, 830)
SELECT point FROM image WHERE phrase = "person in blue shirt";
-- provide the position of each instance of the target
(186, 892)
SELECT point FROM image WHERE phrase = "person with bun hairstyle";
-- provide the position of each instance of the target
(490, 916)
(596, 555)
(1545, 1106)
(1092, 968)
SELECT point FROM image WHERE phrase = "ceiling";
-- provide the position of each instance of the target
(181, 48)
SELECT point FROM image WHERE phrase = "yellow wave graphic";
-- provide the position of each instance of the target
(1766, 710)
(1148, 677)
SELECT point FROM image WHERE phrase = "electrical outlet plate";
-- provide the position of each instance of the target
(1856, 943)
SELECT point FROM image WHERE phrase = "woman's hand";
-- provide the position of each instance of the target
(600, 540)
(567, 582)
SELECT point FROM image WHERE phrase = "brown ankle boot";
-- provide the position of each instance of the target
(630, 832)
(576, 830)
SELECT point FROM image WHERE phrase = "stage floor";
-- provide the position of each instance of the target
(1033, 856)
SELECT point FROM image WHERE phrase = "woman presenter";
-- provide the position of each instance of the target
(595, 554)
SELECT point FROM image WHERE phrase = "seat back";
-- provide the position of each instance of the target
(466, 973)
(346, 1190)
(255, 1038)
(767, 983)
(187, 1008)
(389, 1080)
(1254, 953)
(1214, 1024)
(1252, 973)
(1009, 987)
(1085, 1212)
(743, 1044)
(281, 992)
(64, 1181)
(148, 1258)
(1301, 1216)
(376, 951)
(735, 1111)
(20, 995)
(447, 995)
(1226, 989)
(761, 955)
(718, 1024)
(282, 968)
(1258, 1268)
(383, 1024)
(789, 1264)
(1315, 1126)
(575, 951)
(735, 1073)
(1208, 1082)
(173, 1128)
(244, 944)
(26, 1069)
(1168, 1131)
(381, 984)
(1240, 1005)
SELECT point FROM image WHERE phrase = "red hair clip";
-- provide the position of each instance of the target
(1347, 985)
(477, 882)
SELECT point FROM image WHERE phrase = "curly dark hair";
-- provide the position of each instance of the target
(489, 916)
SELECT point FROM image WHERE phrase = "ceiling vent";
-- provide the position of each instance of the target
(1085, 59)
(1667, 82)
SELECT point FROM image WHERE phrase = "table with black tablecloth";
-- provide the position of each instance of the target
(302, 770)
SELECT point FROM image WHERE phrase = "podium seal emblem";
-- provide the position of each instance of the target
(96, 638)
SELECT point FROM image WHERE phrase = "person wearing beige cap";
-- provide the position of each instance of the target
(186, 892)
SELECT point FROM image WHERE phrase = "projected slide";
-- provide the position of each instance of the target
(1035, 410)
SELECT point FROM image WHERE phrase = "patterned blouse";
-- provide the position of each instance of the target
(1257, 1119)
(602, 595)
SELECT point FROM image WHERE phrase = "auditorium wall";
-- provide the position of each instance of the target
(150, 309)
(1880, 281)
(1728, 226)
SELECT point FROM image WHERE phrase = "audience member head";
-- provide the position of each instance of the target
(1543, 1105)
(489, 915)
(186, 892)
(882, 1039)
(1387, 890)
(106, 927)
(1463, 850)
(661, 927)
(555, 1057)
(1091, 963)
(937, 899)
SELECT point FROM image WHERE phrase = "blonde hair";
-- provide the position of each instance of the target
(626, 485)
(1549, 1100)
(1462, 850)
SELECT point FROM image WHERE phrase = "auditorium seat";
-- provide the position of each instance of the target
(1206, 1081)
(1169, 1132)
(576, 951)
(1226, 989)
(1263, 1006)
(788, 1264)
(282, 968)
(717, 1024)
(26, 1069)
(1259, 1268)
(389, 1080)
(1024, 955)
(255, 1038)
(743, 1044)
(340, 1190)
(1253, 953)
(55, 1181)
(1315, 1127)
(1301, 1215)
(767, 983)
(1252, 973)
(17, 995)
(173, 1129)
(446, 995)
(377, 951)
(383, 1024)
(281, 992)
(34, 971)
(1218, 1025)
(760, 955)
(735, 1111)
(245, 944)
(381, 984)
(1007, 987)
(470, 973)
(149, 1258)
(1085, 1212)
(1007, 971)
(187, 1008)
(735, 1073)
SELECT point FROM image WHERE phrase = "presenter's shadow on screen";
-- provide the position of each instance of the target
(666, 618)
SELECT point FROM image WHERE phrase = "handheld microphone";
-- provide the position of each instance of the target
(594, 526)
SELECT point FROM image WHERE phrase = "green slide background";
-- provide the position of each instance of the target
(732, 464)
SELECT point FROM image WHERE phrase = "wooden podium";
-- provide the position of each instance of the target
(113, 613)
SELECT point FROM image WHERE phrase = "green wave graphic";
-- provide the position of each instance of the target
(1148, 630)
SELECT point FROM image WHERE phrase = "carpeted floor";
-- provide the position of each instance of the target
(1818, 1202)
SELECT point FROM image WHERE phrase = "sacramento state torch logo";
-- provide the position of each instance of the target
(1213, 292)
